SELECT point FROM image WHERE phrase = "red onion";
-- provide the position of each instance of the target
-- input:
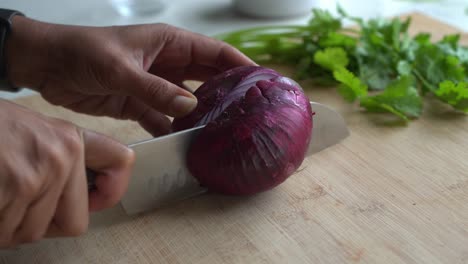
(258, 128)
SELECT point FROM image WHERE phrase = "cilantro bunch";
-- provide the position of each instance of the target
(379, 65)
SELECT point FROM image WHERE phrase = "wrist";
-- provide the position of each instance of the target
(26, 52)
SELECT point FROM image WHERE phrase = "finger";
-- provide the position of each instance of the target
(10, 220)
(200, 72)
(16, 197)
(155, 123)
(113, 162)
(161, 95)
(124, 107)
(151, 120)
(72, 214)
(179, 74)
(40, 213)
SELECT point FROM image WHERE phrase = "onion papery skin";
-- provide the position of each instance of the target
(258, 129)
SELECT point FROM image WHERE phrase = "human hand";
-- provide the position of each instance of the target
(126, 72)
(43, 189)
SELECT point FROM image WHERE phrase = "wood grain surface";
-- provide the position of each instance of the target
(387, 194)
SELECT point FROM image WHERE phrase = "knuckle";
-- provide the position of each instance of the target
(71, 139)
(22, 183)
(169, 34)
(111, 72)
(157, 90)
(118, 75)
(74, 144)
(67, 147)
(57, 165)
(117, 66)
(165, 30)
(28, 186)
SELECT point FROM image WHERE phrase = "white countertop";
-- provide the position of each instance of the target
(215, 16)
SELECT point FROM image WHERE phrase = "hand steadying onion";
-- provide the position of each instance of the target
(258, 128)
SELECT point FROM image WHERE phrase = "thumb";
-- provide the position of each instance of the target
(113, 163)
(163, 95)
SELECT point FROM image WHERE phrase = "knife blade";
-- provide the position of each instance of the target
(159, 175)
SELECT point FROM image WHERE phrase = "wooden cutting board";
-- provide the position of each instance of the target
(387, 194)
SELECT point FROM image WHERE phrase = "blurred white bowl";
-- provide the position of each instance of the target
(274, 8)
(136, 8)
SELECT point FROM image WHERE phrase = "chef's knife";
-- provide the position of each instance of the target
(160, 176)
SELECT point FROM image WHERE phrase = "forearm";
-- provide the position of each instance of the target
(27, 56)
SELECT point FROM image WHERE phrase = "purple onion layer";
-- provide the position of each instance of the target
(258, 129)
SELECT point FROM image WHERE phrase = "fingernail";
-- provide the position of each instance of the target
(182, 105)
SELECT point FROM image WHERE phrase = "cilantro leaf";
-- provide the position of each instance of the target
(433, 66)
(351, 87)
(335, 39)
(400, 98)
(331, 58)
(449, 44)
(404, 67)
(455, 95)
(377, 75)
(451, 40)
(323, 22)
(381, 48)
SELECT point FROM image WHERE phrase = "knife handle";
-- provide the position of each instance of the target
(91, 178)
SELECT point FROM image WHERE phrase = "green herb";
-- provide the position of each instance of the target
(351, 87)
(400, 98)
(454, 94)
(331, 58)
(378, 64)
